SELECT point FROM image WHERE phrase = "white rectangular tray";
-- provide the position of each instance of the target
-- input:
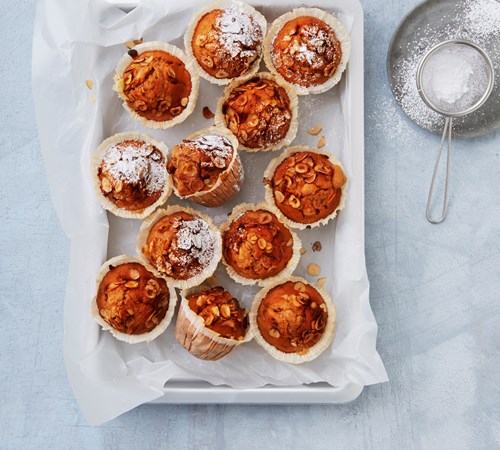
(190, 390)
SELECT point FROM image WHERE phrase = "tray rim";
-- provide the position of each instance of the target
(189, 392)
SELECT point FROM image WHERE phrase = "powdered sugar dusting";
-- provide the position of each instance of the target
(212, 145)
(136, 162)
(197, 240)
(239, 32)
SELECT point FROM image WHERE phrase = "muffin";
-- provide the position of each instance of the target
(293, 321)
(306, 186)
(256, 247)
(206, 168)
(157, 83)
(131, 302)
(181, 245)
(307, 48)
(130, 174)
(260, 111)
(225, 41)
(210, 323)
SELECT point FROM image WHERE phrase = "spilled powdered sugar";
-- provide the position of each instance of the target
(239, 33)
(196, 238)
(136, 163)
(475, 20)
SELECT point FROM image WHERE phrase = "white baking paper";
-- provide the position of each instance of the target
(75, 41)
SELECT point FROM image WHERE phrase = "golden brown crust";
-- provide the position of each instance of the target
(131, 299)
(306, 51)
(180, 245)
(280, 326)
(220, 311)
(132, 174)
(257, 245)
(307, 187)
(196, 164)
(156, 85)
(258, 112)
(226, 42)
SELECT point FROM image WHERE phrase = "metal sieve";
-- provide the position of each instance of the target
(449, 112)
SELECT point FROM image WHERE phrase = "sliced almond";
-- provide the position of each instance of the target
(302, 251)
(321, 282)
(133, 42)
(321, 142)
(273, 332)
(316, 130)
(131, 284)
(313, 269)
(134, 274)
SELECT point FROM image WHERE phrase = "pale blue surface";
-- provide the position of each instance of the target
(435, 293)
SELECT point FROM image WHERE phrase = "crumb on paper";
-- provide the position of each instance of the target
(93, 99)
(321, 282)
(321, 142)
(302, 251)
(89, 83)
(316, 247)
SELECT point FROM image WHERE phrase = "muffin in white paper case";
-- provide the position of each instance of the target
(234, 43)
(195, 331)
(257, 110)
(248, 256)
(176, 107)
(307, 174)
(188, 242)
(132, 163)
(123, 309)
(310, 54)
(284, 313)
(200, 155)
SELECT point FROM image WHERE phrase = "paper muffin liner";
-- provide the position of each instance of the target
(229, 183)
(206, 272)
(131, 338)
(315, 350)
(167, 48)
(294, 108)
(269, 195)
(96, 162)
(340, 32)
(283, 274)
(199, 340)
(223, 4)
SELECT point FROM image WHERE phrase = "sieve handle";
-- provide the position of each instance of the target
(444, 211)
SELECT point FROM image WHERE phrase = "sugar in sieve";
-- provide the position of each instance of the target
(454, 78)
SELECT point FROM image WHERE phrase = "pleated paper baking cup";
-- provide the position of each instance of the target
(340, 32)
(96, 163)
(124, 62)
(202, 342)
(206, 272)
(229, 183)
(294, 107)
(315, 350)
(224, 4)
(285, 272)
(131, 338)
(269, 194)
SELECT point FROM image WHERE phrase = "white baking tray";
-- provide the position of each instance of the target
(187, 389)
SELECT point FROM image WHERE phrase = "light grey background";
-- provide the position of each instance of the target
(435, 293)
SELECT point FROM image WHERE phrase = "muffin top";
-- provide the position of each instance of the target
(131, 299)
(292, 317)
(306, 51)
(307, 187)
(258, 112)
(156, 85)
(196, 164)
(227, 42)
(132, 174)
(257, 245)
(220, 311)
